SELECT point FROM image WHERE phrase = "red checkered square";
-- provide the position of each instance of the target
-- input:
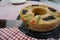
(15, 34)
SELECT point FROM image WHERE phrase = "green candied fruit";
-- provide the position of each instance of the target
(28, 15)
(38, 19)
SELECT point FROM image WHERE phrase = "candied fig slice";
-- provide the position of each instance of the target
(49, 18)
(24, 11)
(35, 5)
(51, 9)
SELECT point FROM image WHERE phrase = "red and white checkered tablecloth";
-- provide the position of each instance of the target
(16, 34)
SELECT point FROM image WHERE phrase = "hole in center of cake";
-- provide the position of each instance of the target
(39, 11)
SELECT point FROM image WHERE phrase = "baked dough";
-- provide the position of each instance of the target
(40, 18)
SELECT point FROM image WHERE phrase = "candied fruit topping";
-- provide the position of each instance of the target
(51, 9)
(24, 11)
(49, 18)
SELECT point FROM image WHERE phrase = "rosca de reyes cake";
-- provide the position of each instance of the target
(40, 18)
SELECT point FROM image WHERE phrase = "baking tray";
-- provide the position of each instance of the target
(55, 33)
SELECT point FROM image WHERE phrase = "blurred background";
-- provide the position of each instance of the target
(20, 1)
(55, 1)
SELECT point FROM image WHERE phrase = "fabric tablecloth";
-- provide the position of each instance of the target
(15, 34)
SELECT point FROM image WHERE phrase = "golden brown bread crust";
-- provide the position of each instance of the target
(58, 14)
(43, 27)
(40, 27)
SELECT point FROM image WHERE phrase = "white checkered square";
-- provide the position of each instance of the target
(16, 34)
